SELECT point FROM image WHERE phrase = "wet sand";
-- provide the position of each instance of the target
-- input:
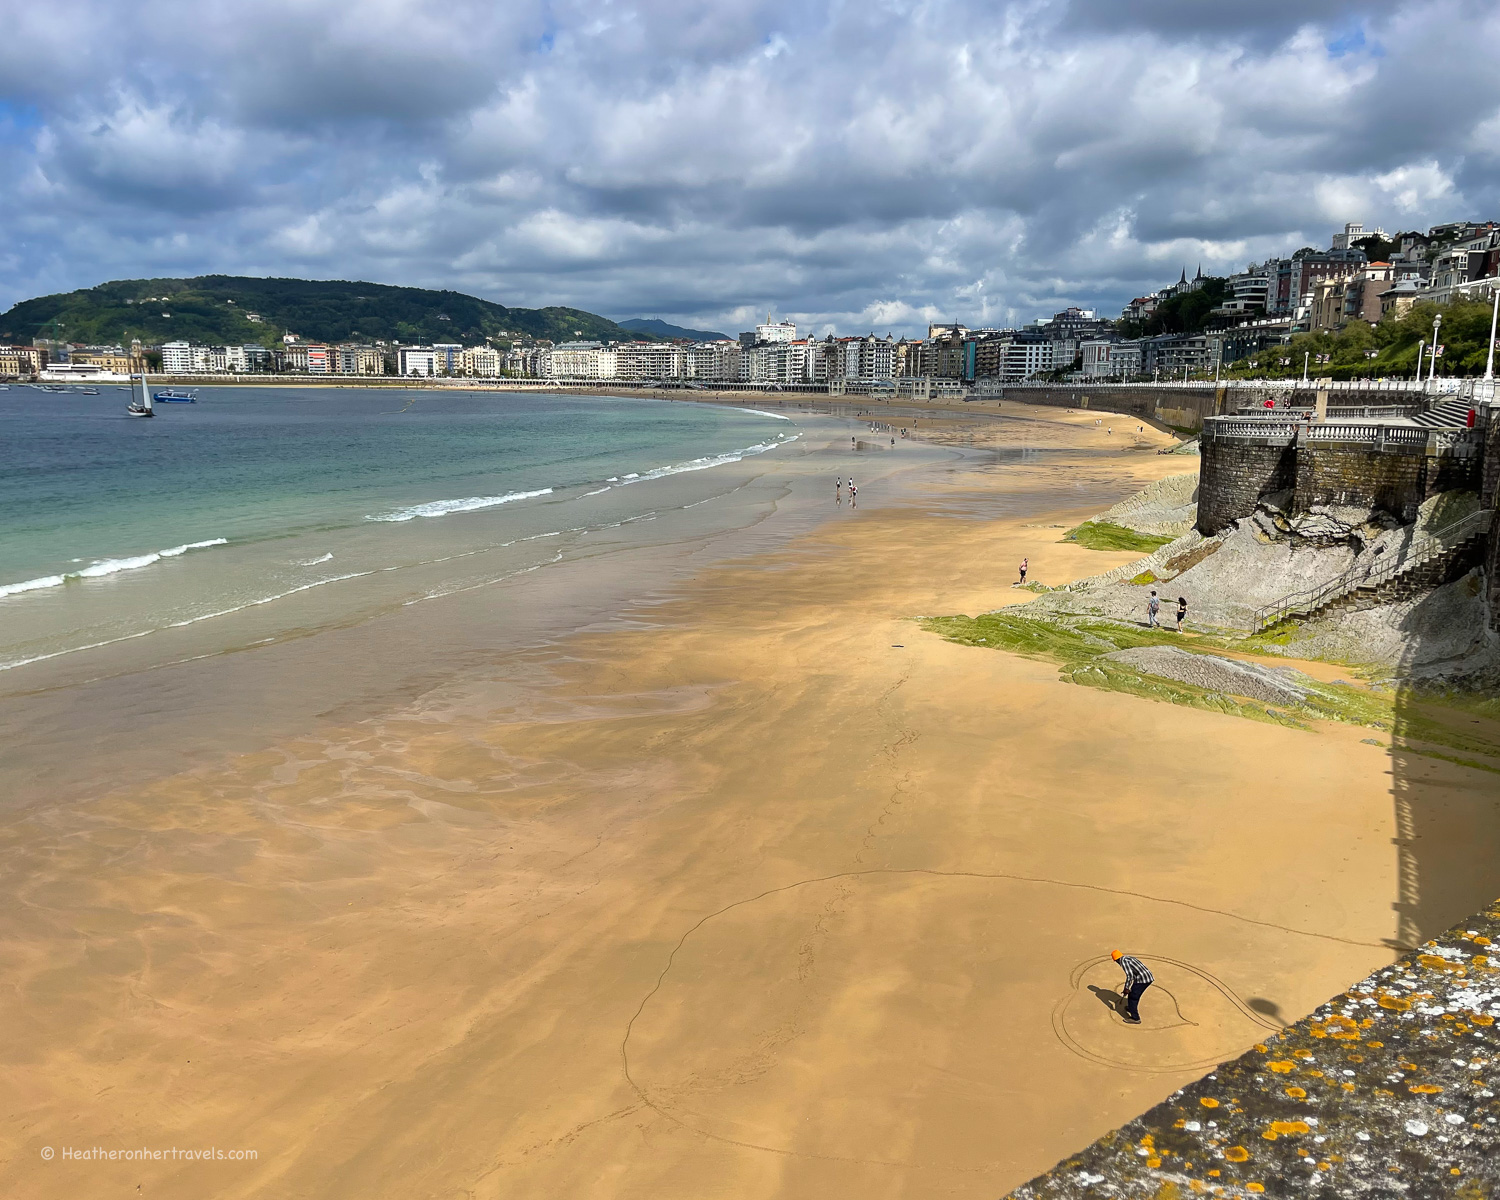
(764, 893)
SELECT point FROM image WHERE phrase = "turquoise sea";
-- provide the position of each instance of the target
(260, 514)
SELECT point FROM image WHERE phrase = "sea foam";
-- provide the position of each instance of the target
(106, 566)
(441, 508)
(711, 460)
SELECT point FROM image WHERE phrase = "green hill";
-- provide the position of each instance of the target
(660, 328)
(216, 310)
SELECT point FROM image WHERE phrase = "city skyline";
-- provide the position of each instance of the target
(849, 169)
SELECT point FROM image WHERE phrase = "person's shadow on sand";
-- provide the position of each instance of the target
(1111, 1000)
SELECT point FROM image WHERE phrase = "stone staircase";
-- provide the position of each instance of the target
(1446, 414)
(1428, 562)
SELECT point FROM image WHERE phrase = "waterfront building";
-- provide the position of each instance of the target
(416, 360)
(176, 358)
(358, 360)
(482, 362)
(578, 360)
(649, 360)
(712, 361)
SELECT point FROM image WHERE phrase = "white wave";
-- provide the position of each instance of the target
(763, 413)
(441, 508)
(595, 492)
(313, 562)
(306, 587)
(223, 612)
(708, 461)
(107, 566)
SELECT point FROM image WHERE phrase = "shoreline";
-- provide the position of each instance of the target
(755, 889)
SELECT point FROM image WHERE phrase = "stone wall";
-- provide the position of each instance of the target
(1489, 496)
(1240, 468)
(1235, 473)
(1359, 476)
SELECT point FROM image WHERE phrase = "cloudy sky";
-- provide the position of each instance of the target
(855, 164)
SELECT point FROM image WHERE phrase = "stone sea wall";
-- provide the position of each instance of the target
(1241, 468)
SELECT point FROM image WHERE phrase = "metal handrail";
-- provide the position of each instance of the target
(1374, 574)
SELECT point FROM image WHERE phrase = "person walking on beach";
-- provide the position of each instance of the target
(1181, 612)
(1138, 978)
(1153, 606)
(1024, 561)
(838, 490)
(853, 495)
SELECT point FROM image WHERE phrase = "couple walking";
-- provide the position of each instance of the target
(1153, 606)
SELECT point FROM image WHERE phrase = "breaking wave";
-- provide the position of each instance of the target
(441, 508)
(106, 566)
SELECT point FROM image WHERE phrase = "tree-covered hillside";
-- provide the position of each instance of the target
(217, 309)
(1384, 350)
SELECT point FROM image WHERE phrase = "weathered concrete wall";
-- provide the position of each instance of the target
(1386, 1091)
(1181, 408)
(1185, 407)
(1235, 473)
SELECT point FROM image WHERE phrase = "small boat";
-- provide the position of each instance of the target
(176, 396)
(141, 407)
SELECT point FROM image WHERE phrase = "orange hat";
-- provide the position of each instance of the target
(1116, 955)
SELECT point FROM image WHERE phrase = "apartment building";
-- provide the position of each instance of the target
(482, 362)
(712, 361)
(578, 360)
(359, 360)
(649, 360)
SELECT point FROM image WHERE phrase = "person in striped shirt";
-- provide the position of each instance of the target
(1138, 978)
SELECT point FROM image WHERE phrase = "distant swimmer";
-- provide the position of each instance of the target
(1024, 561)
(1138, 978)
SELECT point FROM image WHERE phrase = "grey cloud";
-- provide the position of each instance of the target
(698, 159)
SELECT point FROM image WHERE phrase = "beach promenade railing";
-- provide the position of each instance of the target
(1371, 575)
(1287, 427)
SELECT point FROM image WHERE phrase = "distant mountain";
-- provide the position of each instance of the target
(662, 330)
(219, 309)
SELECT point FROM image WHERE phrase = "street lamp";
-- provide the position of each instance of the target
(1421, 346)
(1432, 358)
(1307, 354)
(1489, 361)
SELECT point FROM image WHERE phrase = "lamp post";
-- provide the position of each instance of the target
(1421, 346)
(1489, 361)
(1432, 358)
(1307, 354)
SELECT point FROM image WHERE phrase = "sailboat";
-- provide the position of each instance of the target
(141, 407)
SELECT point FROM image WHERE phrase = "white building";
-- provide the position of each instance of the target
(649, 360)
(1353, 231)
(177, 358)
(577, 360)
(778, 331)
(416, 360)
(1105, 359)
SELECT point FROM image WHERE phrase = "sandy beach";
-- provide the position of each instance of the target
(760, 892)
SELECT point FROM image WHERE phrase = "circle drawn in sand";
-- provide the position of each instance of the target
(892, 1017)
(1190, 1019)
